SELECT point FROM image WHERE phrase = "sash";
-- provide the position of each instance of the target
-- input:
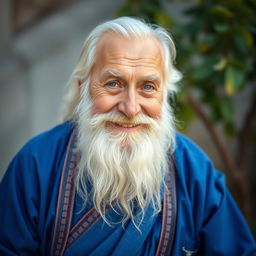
(64, 235)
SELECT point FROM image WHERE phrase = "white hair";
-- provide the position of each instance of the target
(127, 27)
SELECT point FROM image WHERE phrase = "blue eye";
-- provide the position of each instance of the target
(111, 84)
(148, 87)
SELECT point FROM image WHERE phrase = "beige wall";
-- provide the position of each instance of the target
(35, 65)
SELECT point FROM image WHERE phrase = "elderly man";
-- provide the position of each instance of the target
(114, 178)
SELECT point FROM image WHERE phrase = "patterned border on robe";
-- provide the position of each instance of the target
(64, 236)
(169, 213)
(66, 198)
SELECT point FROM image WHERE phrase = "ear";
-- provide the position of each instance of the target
(79, 83)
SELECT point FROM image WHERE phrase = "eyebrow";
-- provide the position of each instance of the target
(112, 73)
(152, 78)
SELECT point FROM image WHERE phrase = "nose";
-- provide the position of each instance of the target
(129, 105)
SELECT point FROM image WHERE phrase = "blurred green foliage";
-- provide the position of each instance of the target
(216, 51)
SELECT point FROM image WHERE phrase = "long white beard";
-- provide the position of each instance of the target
(125, 169)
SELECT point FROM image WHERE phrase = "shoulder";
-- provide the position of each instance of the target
(48, 140)
(191, 159)
(196, 175)
(41, 157)
(185, 146)
(199, 185)
(29, 188)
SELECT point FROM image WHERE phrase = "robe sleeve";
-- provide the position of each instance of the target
(19, 199)
(224, 230)
(209, 221)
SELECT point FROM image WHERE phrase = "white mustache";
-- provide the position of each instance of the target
(115, 117)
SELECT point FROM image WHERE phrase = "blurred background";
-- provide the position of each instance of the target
(216, 103)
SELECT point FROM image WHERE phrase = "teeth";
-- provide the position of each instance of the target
(127, 125)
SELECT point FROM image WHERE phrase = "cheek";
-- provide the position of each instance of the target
(102, 104)
(153, 106)
(153, 109)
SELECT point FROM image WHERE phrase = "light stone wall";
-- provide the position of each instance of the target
(35, 66)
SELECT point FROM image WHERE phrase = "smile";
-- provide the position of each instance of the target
(125, 126)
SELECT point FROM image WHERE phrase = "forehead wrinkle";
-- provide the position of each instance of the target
(121, 57)
(114, 55)
(118, 54)
(145, 63)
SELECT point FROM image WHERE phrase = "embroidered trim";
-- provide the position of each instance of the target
(169, 213)
(84, 225)
(66, 198)
(88, 220)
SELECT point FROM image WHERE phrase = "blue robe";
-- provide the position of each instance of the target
(199, 216)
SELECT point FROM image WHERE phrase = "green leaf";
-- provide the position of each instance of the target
(243, 40)
(240, 44)
(215, 115)
(222, 11)
(204, 70)
(233, 80)
(201, 72)
(238, 64)
(185, 114)
(163, 19)
(195, 10)
(193, 28)
(229, 129)
(248, 37)
(221, 28)
(126, 9)
(207, 43)
(220, 65)
(226, 109)
(211, 40)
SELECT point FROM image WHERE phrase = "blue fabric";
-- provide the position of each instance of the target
(116, 240)
(28, 194)
(208, 220)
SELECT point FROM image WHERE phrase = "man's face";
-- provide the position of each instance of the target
(126, 95)
(127, 78)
